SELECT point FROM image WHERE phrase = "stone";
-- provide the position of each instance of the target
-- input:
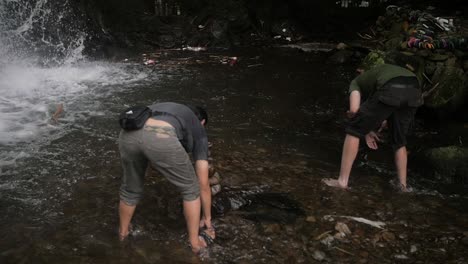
(341, 46)
(340, 57)
(465, 241)
(413, 248)
(311, 219)
(271, 228)
(448, 162)
(388, 236)
(450, 91)
(342, 228)
(327, 240)
(465, 65)
(400, 256)
(438, 57)
(319, 255)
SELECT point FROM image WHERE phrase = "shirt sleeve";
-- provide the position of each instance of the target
(200, 149)
(366, 81)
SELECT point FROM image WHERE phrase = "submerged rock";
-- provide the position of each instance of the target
(255, 203)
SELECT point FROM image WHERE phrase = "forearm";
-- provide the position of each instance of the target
(201, 167)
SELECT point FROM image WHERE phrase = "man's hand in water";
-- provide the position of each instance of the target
(371, 140)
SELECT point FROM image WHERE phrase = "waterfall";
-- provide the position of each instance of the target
(40, 31)
(42, 65)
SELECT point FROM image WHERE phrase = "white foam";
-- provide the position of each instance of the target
(28, 94)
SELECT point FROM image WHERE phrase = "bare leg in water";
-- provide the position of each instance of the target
(401, 161)
(350, 150)
(192, 218)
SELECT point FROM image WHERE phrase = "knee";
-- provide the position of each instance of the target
(191, 193)
(129, 197)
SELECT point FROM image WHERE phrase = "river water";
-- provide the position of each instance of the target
(275, 121)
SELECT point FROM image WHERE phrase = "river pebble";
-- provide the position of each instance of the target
(319, 255)
(342, 228)
(327, 241)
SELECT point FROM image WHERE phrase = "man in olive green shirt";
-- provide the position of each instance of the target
(393, 96)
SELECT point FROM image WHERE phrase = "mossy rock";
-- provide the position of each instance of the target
(394, 43)
(430, 68)
(449, 163)
(451, 90)
(438, 57)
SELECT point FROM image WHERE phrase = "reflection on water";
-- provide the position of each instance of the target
(277, 125)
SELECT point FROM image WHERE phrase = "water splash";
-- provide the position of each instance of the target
(42, 65)
(42, 32)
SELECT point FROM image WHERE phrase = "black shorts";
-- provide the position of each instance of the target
(371, 115)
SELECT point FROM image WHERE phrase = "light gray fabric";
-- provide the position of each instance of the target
(160, 146)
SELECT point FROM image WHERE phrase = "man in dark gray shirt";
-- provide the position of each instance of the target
(168, 136)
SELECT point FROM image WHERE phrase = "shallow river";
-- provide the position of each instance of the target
(275, 120)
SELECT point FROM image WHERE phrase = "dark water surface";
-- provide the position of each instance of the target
(275, 120)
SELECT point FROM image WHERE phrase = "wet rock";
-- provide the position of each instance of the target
(215, 178)
(448, 163)
(311, 219)
(359, 232)
(327, 240)
(438, 57)
(257, 204)
(465, 65)
(465, 241)
(393, 43)
(340, 57)
(342, 228)
(218, 29)
(430, 68)
(388, 236)
(215, 189)
(450, 93)
(413, 248)
(400, 256)
(319, 255)
(341, 46)
(403, 236)
(364, 254)
(271, 228)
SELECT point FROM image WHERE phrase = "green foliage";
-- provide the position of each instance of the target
(374, 58)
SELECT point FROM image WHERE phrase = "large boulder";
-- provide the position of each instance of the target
(451, 88)
(448, 163)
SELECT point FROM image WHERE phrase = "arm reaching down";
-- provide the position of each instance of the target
(201, 168)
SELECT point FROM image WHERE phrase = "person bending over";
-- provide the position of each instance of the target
(173, 131)
(394, 97)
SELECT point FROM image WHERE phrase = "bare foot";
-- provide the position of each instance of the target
(405, 189)
(199, 246)
(334, 183)
(124, 235)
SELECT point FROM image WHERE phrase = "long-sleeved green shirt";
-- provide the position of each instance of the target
(373, 79)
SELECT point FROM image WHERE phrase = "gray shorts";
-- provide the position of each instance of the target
(160, 146)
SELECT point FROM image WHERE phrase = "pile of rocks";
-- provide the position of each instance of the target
(439, 43)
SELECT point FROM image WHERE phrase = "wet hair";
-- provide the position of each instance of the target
(200, 112)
